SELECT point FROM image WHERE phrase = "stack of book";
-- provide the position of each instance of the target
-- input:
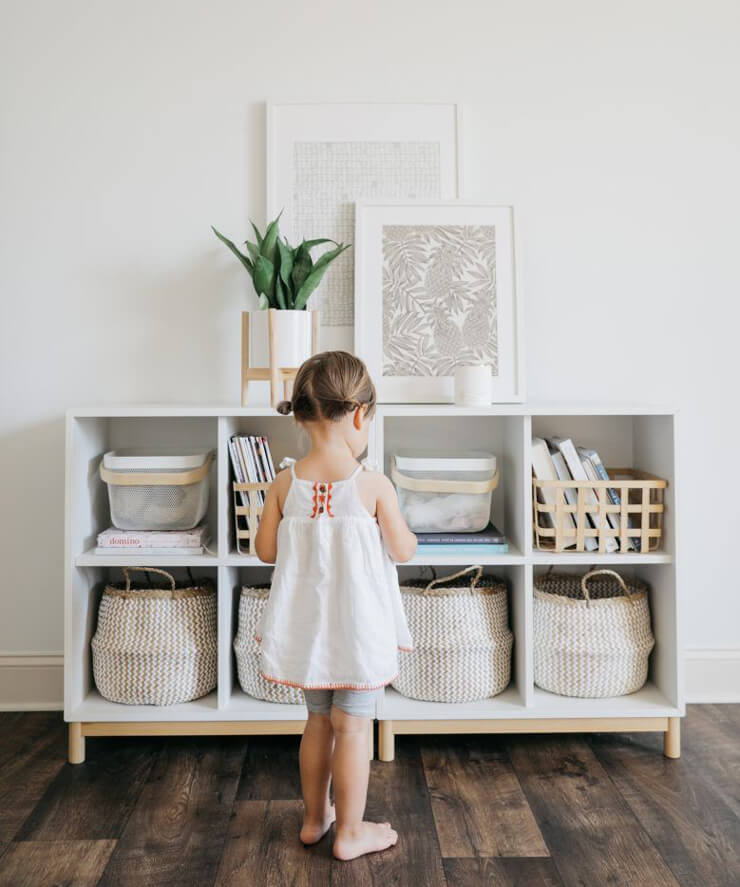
(175, 543)
(251, 461)
(557, 458)
(487, 541)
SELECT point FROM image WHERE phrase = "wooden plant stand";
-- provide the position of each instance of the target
(273, 373)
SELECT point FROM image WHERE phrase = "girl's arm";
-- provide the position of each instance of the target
(399, 540)
(266, 540)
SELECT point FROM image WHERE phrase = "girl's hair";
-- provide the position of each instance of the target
(328, 386)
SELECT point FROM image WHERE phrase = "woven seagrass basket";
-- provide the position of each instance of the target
(252, 603)
(462, 641)
(592, 635)
(156, 646)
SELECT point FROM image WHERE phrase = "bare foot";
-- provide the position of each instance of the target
(312, 832)
(367, 837)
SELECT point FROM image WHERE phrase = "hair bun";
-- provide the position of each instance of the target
(285, 407)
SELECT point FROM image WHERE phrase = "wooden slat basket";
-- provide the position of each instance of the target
(246, 517)
(634, 497)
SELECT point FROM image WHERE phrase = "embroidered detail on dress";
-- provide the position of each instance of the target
(275, 680)
(321, 499)
(406, 649)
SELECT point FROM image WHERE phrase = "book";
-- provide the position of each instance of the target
(578, 472)
(238, 469)
(544, 469)
(489, 535)
(270, 463)
(137, 540)
(150, 552)
(476, 549)
(592, 458)
(571, 497)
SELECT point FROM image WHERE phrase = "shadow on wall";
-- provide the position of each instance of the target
(32, 534)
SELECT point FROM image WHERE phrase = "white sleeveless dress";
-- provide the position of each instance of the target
(334, 618)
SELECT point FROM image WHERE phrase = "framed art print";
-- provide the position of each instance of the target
(322, 157)
(435, 288)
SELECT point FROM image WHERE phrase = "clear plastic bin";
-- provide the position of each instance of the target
(156, 491)
(442, 490)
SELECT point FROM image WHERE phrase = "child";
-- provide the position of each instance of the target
(334, 620)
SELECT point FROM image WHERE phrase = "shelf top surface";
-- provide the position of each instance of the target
(386, 409)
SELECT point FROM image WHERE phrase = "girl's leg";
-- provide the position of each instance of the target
(350, 771)
(315, 763)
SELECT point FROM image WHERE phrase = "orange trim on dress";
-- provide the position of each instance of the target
(275, 680)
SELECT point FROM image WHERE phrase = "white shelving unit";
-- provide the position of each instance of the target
(624, 435)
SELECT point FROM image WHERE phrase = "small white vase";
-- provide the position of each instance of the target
(292, 338)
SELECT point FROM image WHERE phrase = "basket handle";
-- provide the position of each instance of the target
(592, 573)
(422, 485)
(127, 576)
(473, 582)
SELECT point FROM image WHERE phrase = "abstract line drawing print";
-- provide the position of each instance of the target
(439, 298)
(328, 177)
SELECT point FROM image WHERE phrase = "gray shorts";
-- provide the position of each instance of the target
(360, 703)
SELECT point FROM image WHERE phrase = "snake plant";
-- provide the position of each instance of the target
(284, 276)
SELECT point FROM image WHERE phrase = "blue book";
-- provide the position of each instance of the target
(477, 548)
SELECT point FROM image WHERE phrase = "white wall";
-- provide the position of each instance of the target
(128, 128)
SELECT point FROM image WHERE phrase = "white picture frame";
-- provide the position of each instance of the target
(371, 133)
(504, 343)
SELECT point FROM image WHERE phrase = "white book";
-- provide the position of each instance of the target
(544, 469)
(571, 496)
(270, 463)
(593, 474)
(578, 472)
(149, 552)
(138, 540)
(592, 458)
(251, 465)
(238, 470)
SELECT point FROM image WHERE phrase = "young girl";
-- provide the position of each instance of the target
(334, 620)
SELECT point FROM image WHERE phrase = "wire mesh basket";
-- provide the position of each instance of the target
(156, 492)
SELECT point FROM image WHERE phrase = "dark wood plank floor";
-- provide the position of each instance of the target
(533, 811)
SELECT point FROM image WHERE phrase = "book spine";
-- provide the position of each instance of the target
(103, 551)
(268, 453)
(488, 548)
(598, 465)
(149, 540)
(456, 539)
(237, 466)
(255, 465)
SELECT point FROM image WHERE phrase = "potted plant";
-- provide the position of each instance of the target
(284, 278)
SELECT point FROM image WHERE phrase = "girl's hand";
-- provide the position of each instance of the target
(399, 540)
(266, 541)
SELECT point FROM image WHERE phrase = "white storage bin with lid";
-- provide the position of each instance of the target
(154, 490)
(445, 489)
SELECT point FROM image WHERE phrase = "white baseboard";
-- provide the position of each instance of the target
(35, 681)
(712, 675)
(31, 682)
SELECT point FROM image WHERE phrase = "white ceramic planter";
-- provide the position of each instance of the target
(292, 338)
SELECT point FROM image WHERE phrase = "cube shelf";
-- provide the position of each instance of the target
(643, 437)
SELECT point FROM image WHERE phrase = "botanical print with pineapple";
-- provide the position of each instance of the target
(439, 298)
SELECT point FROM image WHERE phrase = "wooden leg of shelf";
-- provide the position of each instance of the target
(386, 750)
(76, 743)
(672, 739)
(245, 357)
(272, 348)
